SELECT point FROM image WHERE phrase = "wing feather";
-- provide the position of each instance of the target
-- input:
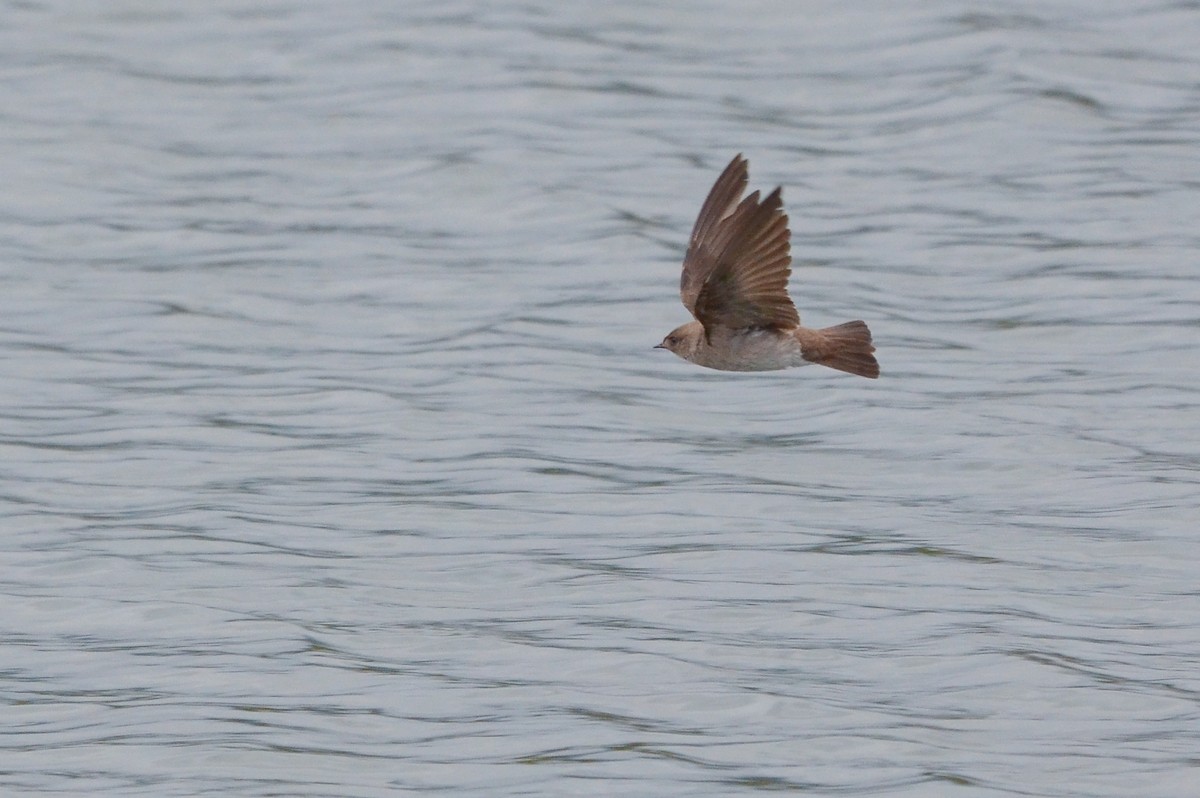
(739, 261)
(722, 201)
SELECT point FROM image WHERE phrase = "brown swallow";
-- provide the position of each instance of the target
(735, 277)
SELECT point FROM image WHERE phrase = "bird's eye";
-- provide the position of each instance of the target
(671, 339)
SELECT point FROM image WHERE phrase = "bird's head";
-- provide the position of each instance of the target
(683, 340)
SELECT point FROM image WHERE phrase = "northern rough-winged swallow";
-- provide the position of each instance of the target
(734, 282)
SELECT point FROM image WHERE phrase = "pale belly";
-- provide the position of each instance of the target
(753, 350)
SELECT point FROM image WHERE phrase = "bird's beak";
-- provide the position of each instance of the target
(659, 346)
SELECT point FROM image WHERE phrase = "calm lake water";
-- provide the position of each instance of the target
(335, 459)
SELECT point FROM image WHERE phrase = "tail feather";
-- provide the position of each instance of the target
(845, 347)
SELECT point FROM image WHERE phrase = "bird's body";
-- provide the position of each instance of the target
(734, 282)
(768, 349)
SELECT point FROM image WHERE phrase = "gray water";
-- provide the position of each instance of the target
(336, 460)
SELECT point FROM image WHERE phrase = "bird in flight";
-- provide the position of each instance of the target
(735, 277)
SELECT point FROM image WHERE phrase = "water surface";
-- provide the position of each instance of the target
(336, 461)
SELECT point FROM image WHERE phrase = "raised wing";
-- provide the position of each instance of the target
(721, 201)
(736, 270)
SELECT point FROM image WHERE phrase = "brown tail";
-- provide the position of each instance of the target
(846, 347)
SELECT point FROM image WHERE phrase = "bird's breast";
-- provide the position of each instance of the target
(750, 350)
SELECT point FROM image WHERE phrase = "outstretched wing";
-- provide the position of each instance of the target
(720, 203)
(736, 270)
